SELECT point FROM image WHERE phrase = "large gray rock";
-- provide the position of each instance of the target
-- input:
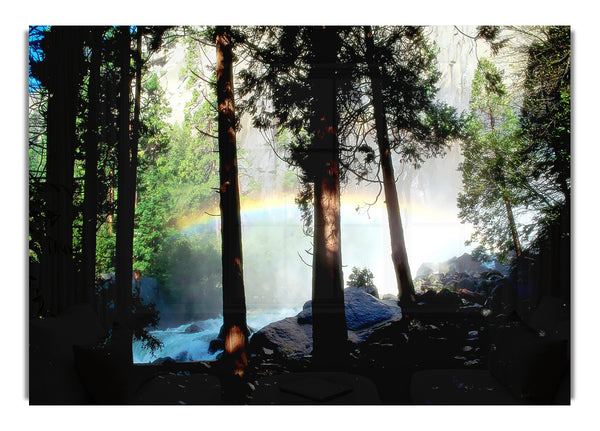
(426, 269)
(465, 263)
(292, 337)
(371, 290)
(364, 310)
(466, 283)
(287, 337)
(461, 264)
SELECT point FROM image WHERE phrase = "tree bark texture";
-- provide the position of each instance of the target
(234, 302)
(64, 61)
(126, 191)
(513, 227)
(90, 202)
(406, 290)
(328, 313)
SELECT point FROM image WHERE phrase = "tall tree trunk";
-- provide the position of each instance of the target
(61, 120)
(126, 186)
(513, 227)
(406, 290)
(135, 127)
(234, 328)
(90, 202)
(135, 133)
(110, 218)
(328, 313)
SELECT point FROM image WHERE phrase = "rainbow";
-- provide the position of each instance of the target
(432, 234)
(253, 207)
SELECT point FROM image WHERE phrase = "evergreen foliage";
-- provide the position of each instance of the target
(546, 119)
(532, 146)
(494, 171)
(361, 277)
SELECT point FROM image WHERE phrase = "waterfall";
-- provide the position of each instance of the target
(277, 254)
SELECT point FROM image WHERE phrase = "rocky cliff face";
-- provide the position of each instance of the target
(457, 62)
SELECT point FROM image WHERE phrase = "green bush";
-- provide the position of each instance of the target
(361, 277)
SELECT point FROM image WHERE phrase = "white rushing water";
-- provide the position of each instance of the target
(183, 346)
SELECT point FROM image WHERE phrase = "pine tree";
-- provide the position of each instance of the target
(234, 329)
(90, 205)
(322, 160)
(125, 203)
(293, 81)
(406, 290)
(62, 79)
(546, 113)
(546, 123)
(493, 169)
(387, 101)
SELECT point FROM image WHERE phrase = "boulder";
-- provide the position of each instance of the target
(292, 337)
(287, 337)
(165, 359)
(465, 263)
(192, 329)
(484, 287)
(426, 269)
(466, 283)
(362, 309)
(183, 356)
(371, 290)
(444, 296)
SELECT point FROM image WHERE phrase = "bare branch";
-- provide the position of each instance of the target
(303, 261)
(209, 82)
(204, 133)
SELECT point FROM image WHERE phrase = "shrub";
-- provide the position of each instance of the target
(361, 277)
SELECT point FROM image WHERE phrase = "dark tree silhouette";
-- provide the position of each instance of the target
(62, 78)
(406, 290)
(328, 314)
(125, 203)
(234, 328)
(393, 68)
(90, 203)
(546, 121)
(294, 82)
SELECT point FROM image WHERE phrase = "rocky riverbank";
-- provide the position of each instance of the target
(450, 326)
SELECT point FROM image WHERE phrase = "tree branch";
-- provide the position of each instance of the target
(209, 82)
(204, 133)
